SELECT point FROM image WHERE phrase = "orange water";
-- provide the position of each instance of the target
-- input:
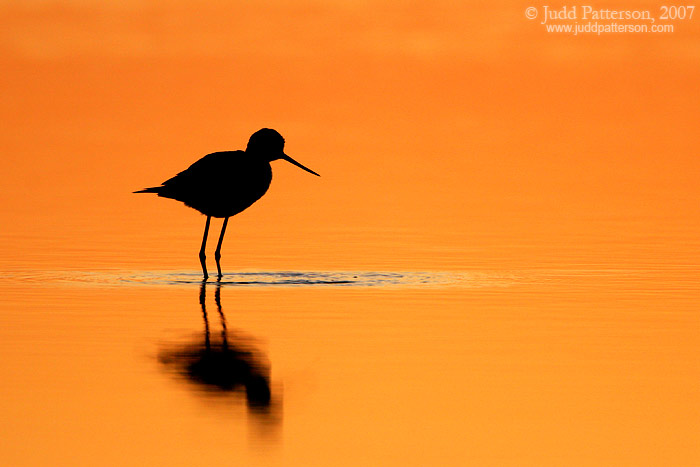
(498, 266)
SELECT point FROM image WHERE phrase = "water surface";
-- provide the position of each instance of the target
(523, 366)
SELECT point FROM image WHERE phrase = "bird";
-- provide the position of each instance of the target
(223, 184)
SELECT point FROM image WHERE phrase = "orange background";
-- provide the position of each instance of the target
(432, 124)
(451, 136)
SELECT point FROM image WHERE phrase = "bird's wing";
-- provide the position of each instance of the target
(206, 167)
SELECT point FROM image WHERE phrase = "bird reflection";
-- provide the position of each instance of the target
(224, 365)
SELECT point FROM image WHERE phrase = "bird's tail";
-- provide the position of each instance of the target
(153, 189)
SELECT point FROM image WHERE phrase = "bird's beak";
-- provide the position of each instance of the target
(289, 159)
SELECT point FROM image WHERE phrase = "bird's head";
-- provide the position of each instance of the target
(269, 145)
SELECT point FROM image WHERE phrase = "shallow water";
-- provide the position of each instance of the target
(333, 367)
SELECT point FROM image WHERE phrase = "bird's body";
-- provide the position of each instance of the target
(222, 184)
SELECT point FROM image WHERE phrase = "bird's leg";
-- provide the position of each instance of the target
(202, 255)
(217, 253)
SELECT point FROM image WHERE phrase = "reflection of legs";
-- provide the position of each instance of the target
(202, 255)
(217, 300)
(217, 253)
(203, 303)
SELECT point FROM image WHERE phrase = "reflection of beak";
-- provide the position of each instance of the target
(289, 159)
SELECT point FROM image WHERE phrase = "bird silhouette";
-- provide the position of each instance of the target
(222, 184)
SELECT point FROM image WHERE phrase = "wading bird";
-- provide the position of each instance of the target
(222, 184)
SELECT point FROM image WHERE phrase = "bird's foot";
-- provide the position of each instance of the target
(203, 262)
(217, 256)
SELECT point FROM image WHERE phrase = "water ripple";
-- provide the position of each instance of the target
(273, 278)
